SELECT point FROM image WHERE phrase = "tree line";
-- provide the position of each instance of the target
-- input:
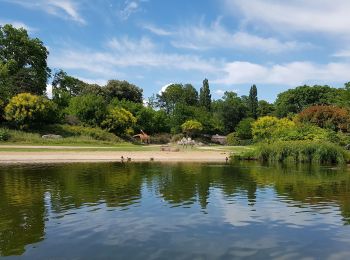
(119, 106)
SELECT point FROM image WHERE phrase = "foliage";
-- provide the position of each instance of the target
(331, 117)
(77, 130)
(23, 63)
(244, 129)
(119, 121)
(299, 151)
(122, 90)
(191, 127)
(161, 138)
(176, 94)
(205, 96)
(4, 134)
(230, 111)
(265, 108)
(89, 109)
(295, 100)
(253, 102)
(26, 109)
(267, 127)
(232, 139)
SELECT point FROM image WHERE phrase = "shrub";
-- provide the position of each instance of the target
(89, 109)
(4, 134)
(244, 129)
(331, 117)
(299, 151)
(26, 109)
(268, 127)
(232, 139)
(176, 137)
(191, 127)
(119, 121)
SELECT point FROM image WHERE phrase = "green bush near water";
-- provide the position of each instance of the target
(298, 151)
(4, 134)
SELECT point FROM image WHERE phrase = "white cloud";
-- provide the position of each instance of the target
(130, 7)
(214, 36)
(294, 73)
(62, 8)
(124, 53)
(157, 30)
(342, 54)
(18, 24)
(164, 88)
(326, 16)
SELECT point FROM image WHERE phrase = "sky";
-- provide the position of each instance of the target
(276, 45)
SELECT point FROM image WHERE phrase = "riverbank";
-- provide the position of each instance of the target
(64, 154)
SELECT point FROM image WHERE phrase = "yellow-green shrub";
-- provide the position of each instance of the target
(26, 109)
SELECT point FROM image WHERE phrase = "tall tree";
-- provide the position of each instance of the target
(23, 62)
(205, 96)
(122, 90)
(253, 102)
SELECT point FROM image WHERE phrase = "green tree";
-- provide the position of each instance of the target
(267, 127)
(244, 129)
(230, 111)
(295, 100)
(26, 109)
(205, 96)
(89, 109)
(191, 127)
(265, 108)
(23, 62)
(253, 102)
(122, 90)
(119, 121)
(190, 95)
(176, 94)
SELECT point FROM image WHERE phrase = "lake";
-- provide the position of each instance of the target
(174, 211)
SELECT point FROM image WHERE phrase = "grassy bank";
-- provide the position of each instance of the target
(71, 135)
(297, 151)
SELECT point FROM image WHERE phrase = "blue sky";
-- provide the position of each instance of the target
(234, 43)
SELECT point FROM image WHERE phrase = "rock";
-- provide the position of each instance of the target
(50, 136)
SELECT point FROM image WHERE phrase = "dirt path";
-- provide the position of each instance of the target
(8, 157)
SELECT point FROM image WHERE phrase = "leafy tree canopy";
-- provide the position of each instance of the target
(295, 100)
(23, 66)
(122, 90)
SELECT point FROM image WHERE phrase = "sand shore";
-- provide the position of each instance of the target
(35, 157)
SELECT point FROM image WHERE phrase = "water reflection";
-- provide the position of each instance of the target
(173, 210)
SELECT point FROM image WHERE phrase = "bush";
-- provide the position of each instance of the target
(232, 139)
(269, 127)
(4, 134)
(119, 121)
(191, 127)
(89, 109)
(26, 109)
(299, 151)
(331, 117)
(244, 129)
(74, 131)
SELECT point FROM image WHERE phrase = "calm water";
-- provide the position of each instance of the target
(174, 211)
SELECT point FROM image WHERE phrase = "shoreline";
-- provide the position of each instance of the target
(45, 157)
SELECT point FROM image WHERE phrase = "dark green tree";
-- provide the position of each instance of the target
(230, 110)
(205, 96)
(23, 66)
(253, 102)
(265, 108)
(89, 109)
(296, 100)
(122, 90)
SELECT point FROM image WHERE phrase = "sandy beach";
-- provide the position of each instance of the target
(34, 157)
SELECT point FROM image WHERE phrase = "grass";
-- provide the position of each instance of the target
(297, 151)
